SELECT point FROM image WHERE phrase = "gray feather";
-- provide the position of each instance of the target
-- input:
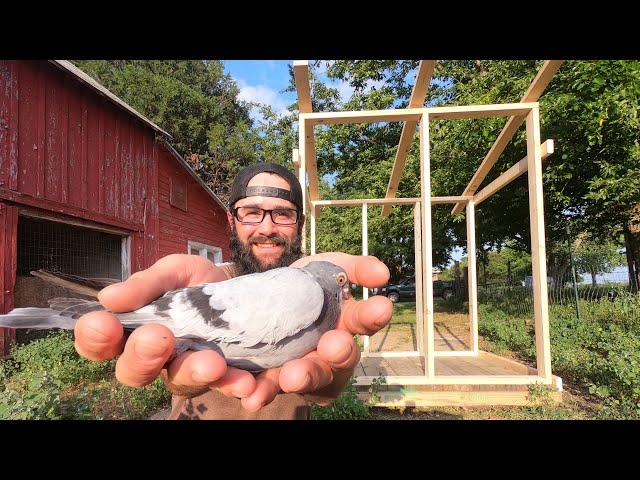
(255, 321)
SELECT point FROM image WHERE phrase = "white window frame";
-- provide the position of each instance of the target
(203, 249)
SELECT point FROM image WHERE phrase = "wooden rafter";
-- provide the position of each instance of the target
(303, 88)
(510, 175)
(418, 95)
(533, 93)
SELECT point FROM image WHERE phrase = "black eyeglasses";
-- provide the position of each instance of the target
(255, 215)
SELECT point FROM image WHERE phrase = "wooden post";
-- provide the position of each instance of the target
(365, 251)
(419, 289)
(427, 266)
(472, 277)
(538, 251)
(303, 176)
(312, 213)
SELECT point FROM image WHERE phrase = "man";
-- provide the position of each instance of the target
(266, 221)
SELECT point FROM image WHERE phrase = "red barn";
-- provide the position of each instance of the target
(89, 186)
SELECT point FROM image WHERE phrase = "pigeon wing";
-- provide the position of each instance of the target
(258, 308)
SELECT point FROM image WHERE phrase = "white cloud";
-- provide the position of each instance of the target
(261, 94)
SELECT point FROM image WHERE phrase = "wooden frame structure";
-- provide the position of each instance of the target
(445, 377)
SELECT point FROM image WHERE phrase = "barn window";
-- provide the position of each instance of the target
(214, 254)
(178, 193)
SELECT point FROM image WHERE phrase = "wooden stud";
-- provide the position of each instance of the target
(417, 231)
(479, 111)
(472, 277)
(362, 116)
(302, 176)
(303, 87)
(511, 174)
(312, 214)
(455, 380)
(533, 93)
(386, 201)
(308, 156)
(538, 251)
(365, 252)
(418, 95)
(427, 267)
(296, 159)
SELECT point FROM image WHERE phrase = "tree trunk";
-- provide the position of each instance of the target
(632, 244)
(594, 284)
(633, 257)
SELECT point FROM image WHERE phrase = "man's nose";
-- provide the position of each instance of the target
(267, 226)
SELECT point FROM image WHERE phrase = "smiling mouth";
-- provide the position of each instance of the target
(267, 245)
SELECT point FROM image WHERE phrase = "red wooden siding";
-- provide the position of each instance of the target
(68, 152)
(8, 258)
(178, 226)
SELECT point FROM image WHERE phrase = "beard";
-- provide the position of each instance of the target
(245, 260)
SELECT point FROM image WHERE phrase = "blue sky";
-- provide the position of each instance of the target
(262, 81)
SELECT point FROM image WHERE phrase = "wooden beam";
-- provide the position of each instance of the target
(302, 176)
(455, 380)
(362, 116)
(426, 232)
(418, 95)
(365, 252)
(533, 93)
(385, 201)
(511, 174)
(303, 87)
(538, 249)
(417, 233)
(312, 164)
(472, 276)
(479, 111)
(296, 158)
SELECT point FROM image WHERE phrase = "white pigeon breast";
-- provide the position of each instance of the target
(251, 309)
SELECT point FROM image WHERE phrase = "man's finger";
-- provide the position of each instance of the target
(365, 317)
(367, 271)
(196, 368)
(168, 273)
(99, 336)
(236, 383)
(145, 353)
(267, 387)
(305, 375)
(339, 350)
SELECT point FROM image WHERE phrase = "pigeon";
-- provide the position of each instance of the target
(256, 321)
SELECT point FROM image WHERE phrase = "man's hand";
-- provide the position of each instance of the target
(324, 373)
(100, 336)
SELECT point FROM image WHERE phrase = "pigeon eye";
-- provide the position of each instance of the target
(341, 279)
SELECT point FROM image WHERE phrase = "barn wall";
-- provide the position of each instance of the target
(204, 221)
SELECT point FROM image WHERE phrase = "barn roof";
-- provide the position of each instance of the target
(87, 80)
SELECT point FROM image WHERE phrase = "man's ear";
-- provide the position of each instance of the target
(230, 219)
(301, 223)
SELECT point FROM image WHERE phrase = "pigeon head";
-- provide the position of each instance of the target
(331, 278)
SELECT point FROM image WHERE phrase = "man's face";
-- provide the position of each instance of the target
(266, 245)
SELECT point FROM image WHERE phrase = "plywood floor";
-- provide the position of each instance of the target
(484, 364)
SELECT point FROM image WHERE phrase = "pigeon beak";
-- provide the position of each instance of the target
(346, 291)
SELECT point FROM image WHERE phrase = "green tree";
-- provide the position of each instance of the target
(193, 100)
(596, 258)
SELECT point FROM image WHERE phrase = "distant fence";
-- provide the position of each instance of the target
(517, 299)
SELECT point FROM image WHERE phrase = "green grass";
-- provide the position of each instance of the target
(600, 352)
(47, 379)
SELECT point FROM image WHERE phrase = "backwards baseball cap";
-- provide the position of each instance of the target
(240, 190)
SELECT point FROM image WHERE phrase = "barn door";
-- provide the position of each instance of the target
(8, 259)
